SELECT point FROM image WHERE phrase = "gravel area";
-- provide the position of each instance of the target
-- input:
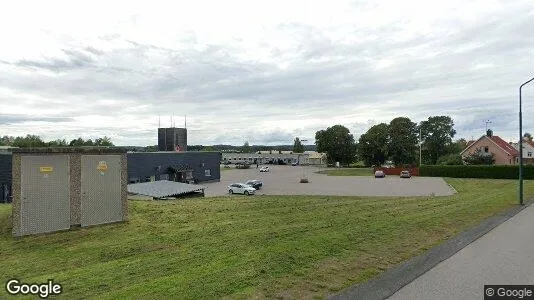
(284, 180)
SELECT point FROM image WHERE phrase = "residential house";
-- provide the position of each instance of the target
(316, 158)
(503, 152)
(528, 152)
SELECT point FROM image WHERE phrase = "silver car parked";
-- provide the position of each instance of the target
(241, 188)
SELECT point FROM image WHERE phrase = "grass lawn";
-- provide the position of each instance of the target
(348, 172)
(248, 247)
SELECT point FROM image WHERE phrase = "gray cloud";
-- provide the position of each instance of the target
(76, 59)
(472, 73)
(18, 119)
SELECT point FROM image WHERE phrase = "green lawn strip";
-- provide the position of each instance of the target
(241, 247)
(348, 172)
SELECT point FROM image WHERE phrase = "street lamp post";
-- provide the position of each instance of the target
(298, 159)
(420, 147)
(521, 143)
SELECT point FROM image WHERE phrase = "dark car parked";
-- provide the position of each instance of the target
(255, 184)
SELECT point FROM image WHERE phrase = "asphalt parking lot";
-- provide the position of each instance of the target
(285, 180)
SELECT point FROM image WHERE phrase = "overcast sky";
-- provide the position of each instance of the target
(262, 71)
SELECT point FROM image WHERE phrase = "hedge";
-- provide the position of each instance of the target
(479, 171)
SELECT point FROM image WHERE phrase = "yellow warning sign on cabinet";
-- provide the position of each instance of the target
(102, 166)
(46, 169)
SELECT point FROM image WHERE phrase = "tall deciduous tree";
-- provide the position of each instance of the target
(402, 143)
(337, 143)
(437, 133)
(373, 145)
(245, 148)
(458, 146)
(297, 146)
(527, 136)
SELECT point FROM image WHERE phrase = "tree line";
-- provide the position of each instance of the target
(31, 140)
(400, 141)
(247, 148)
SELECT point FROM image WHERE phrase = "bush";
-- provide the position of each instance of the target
(480, 158)
(480, 171)
(451, 160)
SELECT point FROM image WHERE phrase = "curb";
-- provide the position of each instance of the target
(391, 281)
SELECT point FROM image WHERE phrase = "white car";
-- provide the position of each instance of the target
(264, 169)
(241, 188)
(380, 174)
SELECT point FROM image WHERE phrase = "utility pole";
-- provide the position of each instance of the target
(521, 144)
(420, 147)
(304, 175)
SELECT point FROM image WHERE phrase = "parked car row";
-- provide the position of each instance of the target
(247, 188)
(403, 174)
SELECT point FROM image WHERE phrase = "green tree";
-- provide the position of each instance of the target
(458, 146)
(337, 143)
(58, 143)
(451, 159)
(527, 136)
(297, 146)
(28, 141)
(373, 145)
(480, 158)
(402, 142)
(245, 148)
(208, 148)
(77, 142)
(6, 140)
(437, 133)
(105, 141)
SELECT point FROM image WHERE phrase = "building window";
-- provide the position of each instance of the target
(529, 154)
(207, 173)
(486, 149)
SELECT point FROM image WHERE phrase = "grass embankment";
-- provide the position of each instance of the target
(348, 172)
(243, 247)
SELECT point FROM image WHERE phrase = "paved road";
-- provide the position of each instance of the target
(284, 180)
(504, 255)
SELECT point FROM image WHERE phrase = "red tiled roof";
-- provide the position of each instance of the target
(504, 145)
(530, 143)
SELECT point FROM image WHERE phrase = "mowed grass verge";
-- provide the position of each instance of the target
(348, 172)
(248, 247)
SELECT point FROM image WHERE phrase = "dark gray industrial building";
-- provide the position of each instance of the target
(5, 177)
(170, 138)
(175, 166)
(166, 164)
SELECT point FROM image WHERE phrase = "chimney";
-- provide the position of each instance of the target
(489, 133)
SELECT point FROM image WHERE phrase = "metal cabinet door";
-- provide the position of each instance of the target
(45, 194)
(100, 189)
